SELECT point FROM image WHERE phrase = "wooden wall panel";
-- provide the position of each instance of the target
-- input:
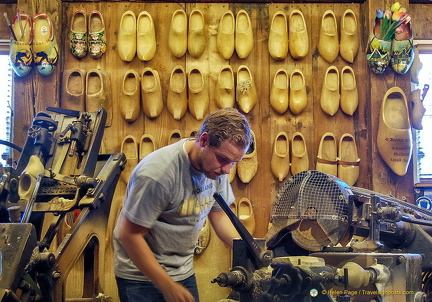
(35, 92)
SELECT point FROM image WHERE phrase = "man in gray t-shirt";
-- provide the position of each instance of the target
(168, 197)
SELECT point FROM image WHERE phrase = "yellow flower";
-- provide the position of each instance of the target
(395, 7)
(398, 15)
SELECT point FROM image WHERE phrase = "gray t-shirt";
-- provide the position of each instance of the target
(169, 196)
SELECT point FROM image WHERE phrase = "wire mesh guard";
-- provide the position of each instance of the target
(314, 206)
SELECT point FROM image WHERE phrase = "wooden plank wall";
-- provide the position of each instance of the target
(34, 93)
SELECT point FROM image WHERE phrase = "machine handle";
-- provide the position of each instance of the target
(263, 258)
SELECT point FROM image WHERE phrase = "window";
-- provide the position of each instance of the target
(423, 150)
(5, 102)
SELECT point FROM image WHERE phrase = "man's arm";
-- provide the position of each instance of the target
(223, 227)
(132, 239)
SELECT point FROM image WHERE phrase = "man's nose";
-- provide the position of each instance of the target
(227, 168)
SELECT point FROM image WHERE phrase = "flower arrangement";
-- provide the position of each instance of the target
(391, 20)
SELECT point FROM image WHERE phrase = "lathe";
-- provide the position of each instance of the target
(54, 206)
(332, 242)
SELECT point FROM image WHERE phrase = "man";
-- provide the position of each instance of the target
(168, 197)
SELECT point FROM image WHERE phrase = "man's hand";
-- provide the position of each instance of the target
(176, 292)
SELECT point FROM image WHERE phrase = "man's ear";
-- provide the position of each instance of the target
(203, 140)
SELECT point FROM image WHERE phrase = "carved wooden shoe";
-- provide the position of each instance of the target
(146, 36)
(197, 41)
(278, 36)
(198, 94)
(348, 164)
(151, 93)
(20, 51)
(299, 154)
(97, 43)
(246, 94)
(328, 43)
(130, 107)
(248, 166)
(147, 145)
(225, 89)
(297, 93)
(98, 93)
(129, 147)
(394, 138)
(330, 96)
(348, 91)
(127, 38)
(45, 48)
(279, 91)
(244, 39)
(327, 154)
(73, 94)
(298, 35)
(246, 214)
(225, 35)
(280, 161)
(177, 37)
(416, 110)
(349, 43)
(177, 93)
(78, 34)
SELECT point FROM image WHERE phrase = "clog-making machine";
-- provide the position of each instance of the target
(331, 242)
(54, 206)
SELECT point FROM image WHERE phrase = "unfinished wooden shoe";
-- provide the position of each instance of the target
(349, 162)
(327, 154)
(177, 37)
(174, 136)
(349, 43)
(126, 41)
(278, 36)
(197, 41)
(248, 166)
(225, 89)
(232, 173)
(298, 35)
(416, 109)
(151, 93)
(394, 138)
(279, 91)
(28, 177)
(129, 148)
(246, 94)
(130, 102)
(225, 35)
(198, 94)
(98, 93)
(299, 154)
(280, 161)
(203, 238)
(328, 43)
(330, 95)
(244, 39)
(73, 95)
(177, 93)
(246, 214)
(348, 91)
(147, 145)
(297, 92)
